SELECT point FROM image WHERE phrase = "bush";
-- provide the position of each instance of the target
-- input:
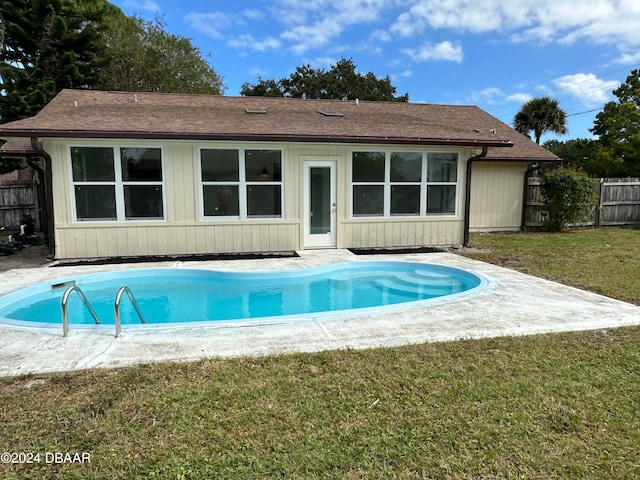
(570, 194)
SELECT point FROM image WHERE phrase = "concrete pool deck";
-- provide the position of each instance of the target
(512, 303)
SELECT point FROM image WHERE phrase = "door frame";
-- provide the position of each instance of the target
(328, 240)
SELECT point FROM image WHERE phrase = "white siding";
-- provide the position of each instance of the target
(184, 232)
(496, 196)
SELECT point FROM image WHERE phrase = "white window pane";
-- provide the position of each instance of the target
(220, 165)
(368, 200)
(406, 167)
(92, 164)
(442, 167)
(95, 202)
(143, 201)
(441, 199)
(141, 164)
(221, 200)
(405, 200)
(368, 167)
(264, 201)
(262, 165)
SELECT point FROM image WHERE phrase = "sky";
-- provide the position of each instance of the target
(496, 54)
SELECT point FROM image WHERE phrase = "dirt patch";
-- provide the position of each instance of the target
(31, 256)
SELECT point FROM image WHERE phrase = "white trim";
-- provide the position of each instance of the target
(241, 183)
(387, 184)
(328, 240)
(117, 183)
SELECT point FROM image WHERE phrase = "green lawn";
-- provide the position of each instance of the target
(537, 407)
(604, 260)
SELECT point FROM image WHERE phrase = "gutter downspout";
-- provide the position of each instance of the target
(48, 193)
(467, 193)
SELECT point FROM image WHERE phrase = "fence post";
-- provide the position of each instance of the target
(596, 219)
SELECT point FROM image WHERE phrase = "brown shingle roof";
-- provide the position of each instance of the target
(99, 114)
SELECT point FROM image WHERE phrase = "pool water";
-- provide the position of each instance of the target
(176, 295)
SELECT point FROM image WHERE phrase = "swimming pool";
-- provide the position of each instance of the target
(182, 296)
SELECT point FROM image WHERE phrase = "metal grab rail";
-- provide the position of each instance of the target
(63, 305)
(116, 307)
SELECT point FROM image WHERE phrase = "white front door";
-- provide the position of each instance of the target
(320, 204)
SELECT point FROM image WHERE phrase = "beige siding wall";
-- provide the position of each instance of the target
(496, 196)
(406, 233)
(185, 232)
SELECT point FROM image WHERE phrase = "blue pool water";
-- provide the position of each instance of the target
(171, 295)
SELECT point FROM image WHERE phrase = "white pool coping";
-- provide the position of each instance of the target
(511, 303)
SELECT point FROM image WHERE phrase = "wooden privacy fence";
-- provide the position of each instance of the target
(16, 199)
(618, 204)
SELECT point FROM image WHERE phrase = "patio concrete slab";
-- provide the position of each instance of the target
(511, 303)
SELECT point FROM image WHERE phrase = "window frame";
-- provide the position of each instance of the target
(118, 184)
(242, 184)
(389, 184)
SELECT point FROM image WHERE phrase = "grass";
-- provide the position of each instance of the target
(562, 406)
(604, 260)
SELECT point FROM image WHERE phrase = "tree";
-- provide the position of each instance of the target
(583, 153)
(47, 45)
(540, 115)
(570, 194)
(143, 57)
(340, 82)
(618, 127)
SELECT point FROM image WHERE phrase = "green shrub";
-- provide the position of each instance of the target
(570, 194)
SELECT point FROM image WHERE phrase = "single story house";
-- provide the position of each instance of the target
(150, 174)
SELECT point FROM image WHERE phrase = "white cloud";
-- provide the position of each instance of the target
(486, 96)
(441, 51)
(566, 21)
(313, 24)
(586, 87)
(305, 37)
(321, 62)
(248, 42)
(403, 74)
(213, 24)
(380, 35)
(146, 5)
(518, 97)
(254, 14)
(308, 24)
(494, 96)
(626, 58)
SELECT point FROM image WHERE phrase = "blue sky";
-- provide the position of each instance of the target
(495, 54)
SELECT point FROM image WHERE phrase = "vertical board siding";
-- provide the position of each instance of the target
(185, 232)
(496, 196)
(157, 240)
(417, 233)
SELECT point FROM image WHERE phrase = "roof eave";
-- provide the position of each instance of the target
(11, 133)
(523, 159)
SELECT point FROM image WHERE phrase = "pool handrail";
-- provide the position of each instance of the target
(65, 314)
(116, 307)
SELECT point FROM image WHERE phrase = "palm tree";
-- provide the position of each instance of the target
(540, 115)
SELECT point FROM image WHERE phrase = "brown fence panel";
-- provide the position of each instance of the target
(16, 199)
(619, 203)
(535, 212)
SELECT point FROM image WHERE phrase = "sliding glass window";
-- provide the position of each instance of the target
(117, 184)
(239, 183)
(386, 184)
